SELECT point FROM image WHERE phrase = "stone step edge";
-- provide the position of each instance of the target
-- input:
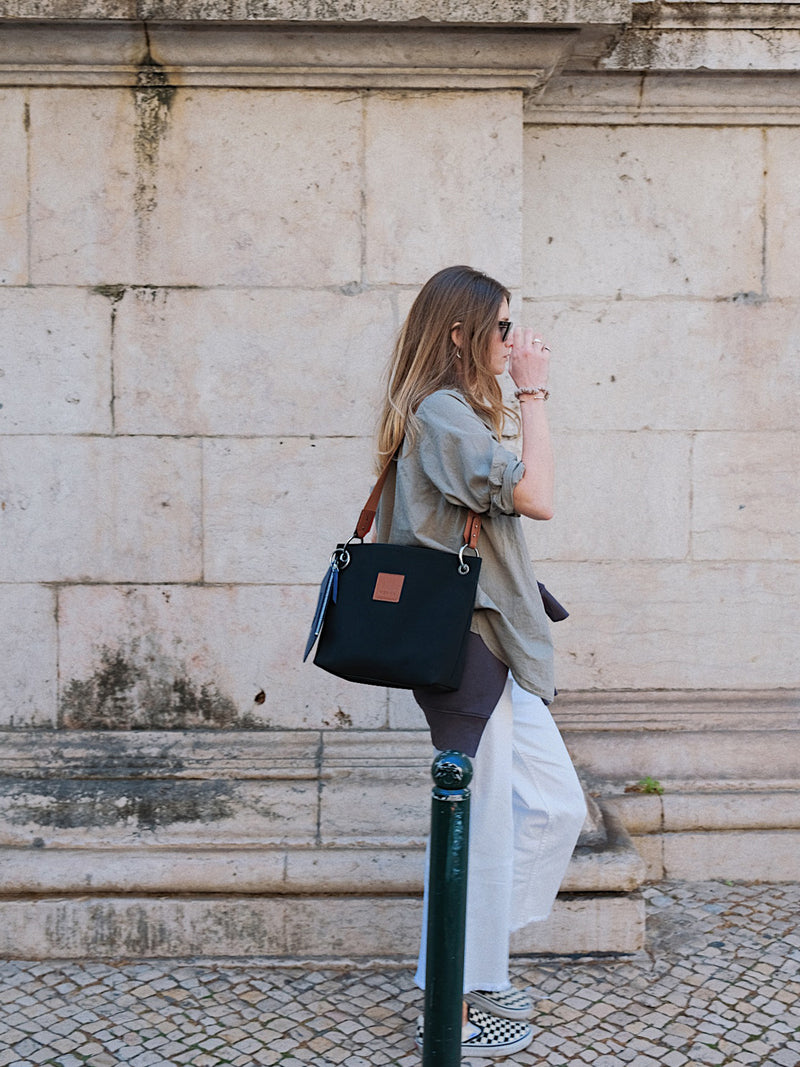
(735, 856)
(613, 867)
(710, 811)
(314, 928)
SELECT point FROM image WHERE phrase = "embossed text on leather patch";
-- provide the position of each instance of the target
(388, 587)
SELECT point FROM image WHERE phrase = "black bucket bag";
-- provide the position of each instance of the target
(396, 615)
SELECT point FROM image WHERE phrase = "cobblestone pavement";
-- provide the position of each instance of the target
(718, 984)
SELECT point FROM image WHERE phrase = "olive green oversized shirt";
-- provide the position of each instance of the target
(456, 463)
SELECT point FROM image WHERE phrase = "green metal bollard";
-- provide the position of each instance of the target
(447, 910)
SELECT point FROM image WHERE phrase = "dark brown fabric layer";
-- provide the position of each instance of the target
(457, 719)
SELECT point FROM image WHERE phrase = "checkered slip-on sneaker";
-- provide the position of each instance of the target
(487, 1037)
(505, 1003)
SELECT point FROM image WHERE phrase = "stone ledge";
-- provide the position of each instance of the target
(679, 710)
(749, 856)
(682, 808)
(130, 54)
(260, 753)
(753, 755)
(652, 98)
(682, 736)
(728, 830)
(709, 36)
(613, 866)
(173, 754)
(259, 842)
(307, 927)
(534, 12)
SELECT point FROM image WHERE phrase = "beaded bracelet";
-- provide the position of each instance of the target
(538, 392)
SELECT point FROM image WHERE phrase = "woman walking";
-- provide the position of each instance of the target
(443, 417)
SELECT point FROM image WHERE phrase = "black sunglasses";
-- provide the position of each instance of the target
(505, 328)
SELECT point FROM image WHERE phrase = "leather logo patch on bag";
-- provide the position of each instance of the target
(388, 587)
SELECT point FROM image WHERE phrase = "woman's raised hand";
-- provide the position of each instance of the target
(528, 359)
(529, 367)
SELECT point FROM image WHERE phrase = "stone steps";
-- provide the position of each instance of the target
(610, 866)
(309, 844)
(307, 928)
(285, 844)
(696, 832)
(728, 763)
(310, 903)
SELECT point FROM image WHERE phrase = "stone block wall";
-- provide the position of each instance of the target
(201, 292)
(214, 222)
(652, 255)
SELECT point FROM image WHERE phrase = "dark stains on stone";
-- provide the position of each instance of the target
(101, 700)
(153, 99)
(352, 289)
(132, 931)
(748, 298)
(97, 804)
(114, 293)
(138, 688)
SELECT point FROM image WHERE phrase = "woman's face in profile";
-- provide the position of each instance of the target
(499, 349)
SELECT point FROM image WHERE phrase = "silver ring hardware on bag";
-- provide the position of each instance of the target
(463, 568)
(340, 557)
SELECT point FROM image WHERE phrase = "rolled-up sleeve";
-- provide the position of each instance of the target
(461, 457)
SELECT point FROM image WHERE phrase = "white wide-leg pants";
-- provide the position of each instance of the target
(527, 809)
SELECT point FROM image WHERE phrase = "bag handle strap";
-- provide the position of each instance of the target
(367, 517)
(368, 512)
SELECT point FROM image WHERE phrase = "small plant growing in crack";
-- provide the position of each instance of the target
(646, 785)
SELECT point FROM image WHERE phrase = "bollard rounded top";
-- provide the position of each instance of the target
(451, 770)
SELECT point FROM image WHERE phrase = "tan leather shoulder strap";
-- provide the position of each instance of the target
(367, 517)
(368, 512)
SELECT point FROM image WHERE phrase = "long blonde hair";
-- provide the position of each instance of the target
(426, 358)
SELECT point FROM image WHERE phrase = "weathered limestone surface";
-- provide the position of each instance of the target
(669, 364)
(667, 98)
(157, 56)
(292, 216)
(647, 215)
(735, 473)
(416, 188)
(89, 509)
(28, 651)
(470, 11)
(766, 857)
(711, 738)
(55, 361)
(83, 186)
(657, 473)
(209, 821)
(727, 767)
(686, 625)
(148, 656)
(781, 197)
(310, 928)
(248, 521)
(13, 191)
(206, 363)
(710, 36)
